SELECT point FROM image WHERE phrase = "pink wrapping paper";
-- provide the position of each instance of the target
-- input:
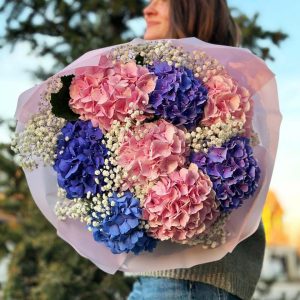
(252, 73)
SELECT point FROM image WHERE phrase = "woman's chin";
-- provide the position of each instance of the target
(152, 34)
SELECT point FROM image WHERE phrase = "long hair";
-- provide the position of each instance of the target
(208, 20)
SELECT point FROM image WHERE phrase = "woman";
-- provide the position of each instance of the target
(236, 275)
(208, 20)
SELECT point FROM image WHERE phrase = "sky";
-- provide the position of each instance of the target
(15, 78)
(286, 177)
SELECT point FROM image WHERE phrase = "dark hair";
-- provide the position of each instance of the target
(208, 20)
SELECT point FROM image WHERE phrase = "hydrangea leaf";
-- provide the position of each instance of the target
(60, 101)
(139, 60)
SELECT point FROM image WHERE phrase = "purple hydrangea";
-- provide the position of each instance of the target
(120, 230)
(232, 169)
(79, 153)
(178, 96)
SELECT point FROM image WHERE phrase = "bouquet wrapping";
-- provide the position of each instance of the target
(152, 155)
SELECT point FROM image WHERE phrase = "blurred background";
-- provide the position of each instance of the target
(39, 37)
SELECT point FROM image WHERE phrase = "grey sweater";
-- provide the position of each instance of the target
(237, 273)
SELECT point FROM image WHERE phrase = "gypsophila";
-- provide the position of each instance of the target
(54, 84)
(113, 140)
(38, 140)
(198, 61)
(202, 138)
(77, 209)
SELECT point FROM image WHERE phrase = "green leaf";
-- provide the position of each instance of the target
(60, 101)
(139, 60)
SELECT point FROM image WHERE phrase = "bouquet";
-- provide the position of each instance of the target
(151, 151)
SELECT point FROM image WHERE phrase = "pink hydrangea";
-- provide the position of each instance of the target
(225, 99)
(103, 93)
(159, 152)
(180, 206)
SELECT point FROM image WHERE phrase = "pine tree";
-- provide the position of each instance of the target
(253, 35)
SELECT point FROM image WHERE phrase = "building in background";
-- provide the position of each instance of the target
(272, 216)
(280, 277)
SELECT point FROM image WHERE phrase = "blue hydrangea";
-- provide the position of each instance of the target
(79, 153)
(178, 96)
(232, 169)
(120, 230)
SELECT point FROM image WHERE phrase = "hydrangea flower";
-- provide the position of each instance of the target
(103, 93)
(181, 206)
(226, 99)
(120, 230)
(79, 154)
(232, 169)
(178, 96)
(157, 152)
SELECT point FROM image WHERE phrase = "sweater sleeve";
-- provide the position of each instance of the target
(237, 273)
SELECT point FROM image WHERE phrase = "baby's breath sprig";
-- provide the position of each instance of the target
(149, 51)
(100, 208)
(202, 138)
(77, 209)
(114, 174)
(38, 140)
(202, 65)
(54, 84)
(141, 191)
(90, 210)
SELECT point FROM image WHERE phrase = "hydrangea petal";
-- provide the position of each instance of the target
(79, 153)
(234, 172)
(178, 97)
(120, 230)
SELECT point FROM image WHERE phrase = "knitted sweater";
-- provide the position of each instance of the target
(237, 273)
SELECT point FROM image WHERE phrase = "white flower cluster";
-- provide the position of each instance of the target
(38, 139)
(54, 84)
(202, 138)
(83, 209)
(72, 209)
(113, 139)
(99, 204)
(141, 191)
(216, 235)
(198, 61)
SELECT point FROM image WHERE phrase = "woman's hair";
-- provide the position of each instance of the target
(208, 20)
